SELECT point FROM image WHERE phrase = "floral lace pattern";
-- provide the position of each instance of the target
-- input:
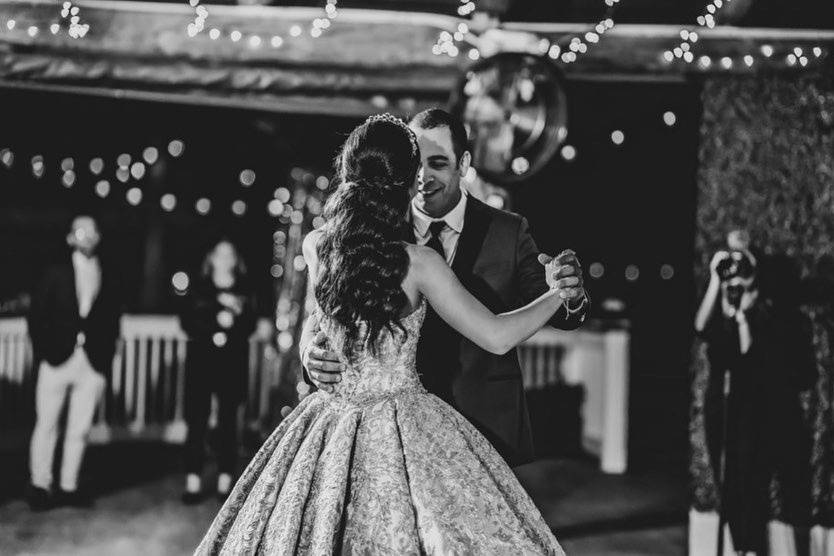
(378, 467)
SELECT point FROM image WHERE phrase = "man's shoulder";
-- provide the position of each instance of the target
(496, 216)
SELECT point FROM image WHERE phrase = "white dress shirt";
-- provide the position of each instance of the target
(87, 281)
(451, 233)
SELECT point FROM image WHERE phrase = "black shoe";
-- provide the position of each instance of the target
(39, 499)
(74, 499)
(192, 498)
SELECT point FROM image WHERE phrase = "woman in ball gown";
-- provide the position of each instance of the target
(380, 466)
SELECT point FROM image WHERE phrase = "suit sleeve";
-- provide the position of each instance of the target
(532, 283)
(39, 311)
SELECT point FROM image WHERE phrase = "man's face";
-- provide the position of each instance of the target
(84, 235)
(438, 181)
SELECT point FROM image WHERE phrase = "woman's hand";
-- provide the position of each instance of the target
(716, 260)
(230, 301)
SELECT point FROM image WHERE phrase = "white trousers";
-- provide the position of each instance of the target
(77, 380)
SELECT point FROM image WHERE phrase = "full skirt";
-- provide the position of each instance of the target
(404, 474)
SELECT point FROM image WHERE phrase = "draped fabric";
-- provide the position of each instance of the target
(767, 165)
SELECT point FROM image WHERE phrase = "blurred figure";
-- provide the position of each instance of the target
(219, 318)
(754, 428)
(74, 324)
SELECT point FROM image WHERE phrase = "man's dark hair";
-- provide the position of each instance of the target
(436, 117)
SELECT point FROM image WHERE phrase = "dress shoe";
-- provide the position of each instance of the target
(39, 499)
(74, 499)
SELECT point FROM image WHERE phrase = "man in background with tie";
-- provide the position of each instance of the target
(494, 256)
(74, 324)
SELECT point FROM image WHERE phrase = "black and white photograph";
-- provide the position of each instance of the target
(404, 277)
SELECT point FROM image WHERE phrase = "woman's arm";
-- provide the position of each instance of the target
(708, 303)
(447, 296)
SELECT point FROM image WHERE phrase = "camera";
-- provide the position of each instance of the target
(737, 271)
(737, 264)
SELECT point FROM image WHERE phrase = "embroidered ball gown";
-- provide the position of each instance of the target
(379, 466)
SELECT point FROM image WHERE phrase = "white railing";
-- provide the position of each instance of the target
(599, 361)
(144, 396)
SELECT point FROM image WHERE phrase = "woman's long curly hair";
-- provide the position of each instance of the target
(362, 258)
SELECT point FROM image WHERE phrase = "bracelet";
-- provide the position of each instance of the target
(578, 308)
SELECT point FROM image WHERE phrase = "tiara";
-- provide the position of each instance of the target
(390, 118)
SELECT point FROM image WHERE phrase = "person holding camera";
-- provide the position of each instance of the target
(753, 425)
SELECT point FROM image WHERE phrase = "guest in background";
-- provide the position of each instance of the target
(751, 406)
(74, 324)
(219, 318)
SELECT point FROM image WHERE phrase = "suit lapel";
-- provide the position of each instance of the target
(475, 225)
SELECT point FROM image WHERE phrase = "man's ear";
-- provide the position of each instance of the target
(464, 163)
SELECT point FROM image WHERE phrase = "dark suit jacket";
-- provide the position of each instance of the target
(54, 322)
(496, 260)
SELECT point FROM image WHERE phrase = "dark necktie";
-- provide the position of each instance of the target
(434, 237)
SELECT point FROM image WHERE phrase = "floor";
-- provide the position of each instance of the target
(138, 511)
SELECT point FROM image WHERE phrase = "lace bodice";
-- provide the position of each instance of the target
(392, 371)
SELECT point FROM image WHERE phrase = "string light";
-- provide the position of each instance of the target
(520, 165)
(137, 170)
(669, 118)
(568, 152)
(7, 157)
(275, 207)
(580, 44)
(76, 29)
(134, 196)
(447, 43)
(37, 166)
(689, 37)
(200, 16)
(96, 166)
(316, 27)
(176, 148)
(150, 155)
(103, 188)
(68, 179)
(247, 177)
(180, 281)
(203, 206)
(617, 137)
(168, 202)
(239, 207)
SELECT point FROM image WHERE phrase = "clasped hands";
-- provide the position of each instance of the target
(564, 273)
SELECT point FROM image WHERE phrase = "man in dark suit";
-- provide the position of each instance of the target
(73, 323)
(495, 258)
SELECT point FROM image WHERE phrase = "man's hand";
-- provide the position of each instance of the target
(564, 272)
(323, 366)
